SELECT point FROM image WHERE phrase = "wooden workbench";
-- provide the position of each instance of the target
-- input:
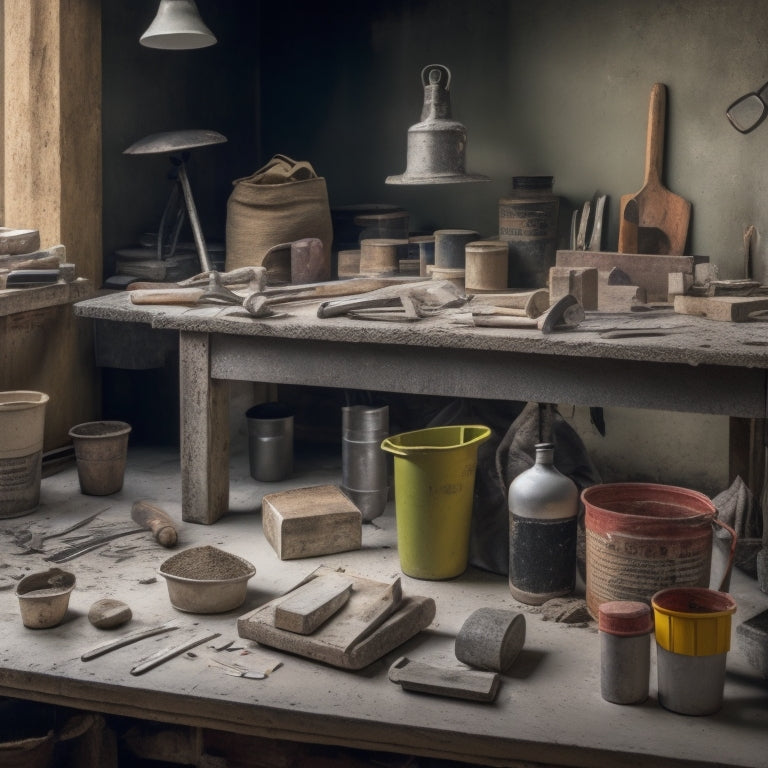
(548, 711)
(685, 364)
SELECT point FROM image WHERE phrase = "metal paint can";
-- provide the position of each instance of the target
(528, 222)
(625, 651)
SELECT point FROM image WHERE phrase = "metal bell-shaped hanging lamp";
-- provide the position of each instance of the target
(436, 145)
(177, 26)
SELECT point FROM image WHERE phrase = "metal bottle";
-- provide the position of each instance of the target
(543, 507)
(364, 467)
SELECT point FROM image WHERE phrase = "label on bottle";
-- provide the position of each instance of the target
(542, 555)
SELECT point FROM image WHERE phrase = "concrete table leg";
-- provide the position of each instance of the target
(204, 433)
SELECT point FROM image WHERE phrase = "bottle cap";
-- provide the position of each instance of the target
(625, 618)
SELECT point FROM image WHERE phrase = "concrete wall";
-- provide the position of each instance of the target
(546, 87)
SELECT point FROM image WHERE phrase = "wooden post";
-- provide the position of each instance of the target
(52, 125)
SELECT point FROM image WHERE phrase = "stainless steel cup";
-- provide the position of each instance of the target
(364, 465)
(270, 441)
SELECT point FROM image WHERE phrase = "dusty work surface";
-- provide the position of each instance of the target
(662, 337)
(548, 709)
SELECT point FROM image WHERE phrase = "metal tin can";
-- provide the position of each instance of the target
(528, 222)
(625, 628)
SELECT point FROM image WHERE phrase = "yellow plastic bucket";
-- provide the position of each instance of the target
(693, 621)
(434, 489)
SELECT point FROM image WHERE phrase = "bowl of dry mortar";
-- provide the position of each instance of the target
(206, 580)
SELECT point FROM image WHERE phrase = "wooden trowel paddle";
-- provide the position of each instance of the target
(654, 220)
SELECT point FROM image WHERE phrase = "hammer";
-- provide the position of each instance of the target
(148, 515)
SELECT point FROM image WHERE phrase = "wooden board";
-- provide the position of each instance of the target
(375, 620)
(648, 271)
(312, 521)
(735, 309)
(654, 220)
(312, 604)
(468, 684)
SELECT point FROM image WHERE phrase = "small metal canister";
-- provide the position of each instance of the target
(486, 266)
(625, 650)
(364, 466)
(450, 247)
(528, 222)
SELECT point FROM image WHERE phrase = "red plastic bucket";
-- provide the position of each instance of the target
(644, 537)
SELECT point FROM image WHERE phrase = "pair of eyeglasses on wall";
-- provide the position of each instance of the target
(749, 111)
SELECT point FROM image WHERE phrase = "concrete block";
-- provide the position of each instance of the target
(307, 522)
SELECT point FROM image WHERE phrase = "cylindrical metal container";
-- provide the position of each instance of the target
(449, 247)
(625, 651)
(364, 465)
(487, 263)
(543, 505)
(387, 224)
(22, 427)
(644, 537)
(270, 441)
(381, 256)
(528, 222)
(693, 637)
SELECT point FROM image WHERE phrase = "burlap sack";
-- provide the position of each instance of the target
(282, 202)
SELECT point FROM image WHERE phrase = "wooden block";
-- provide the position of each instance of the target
(735, 309)
(13, 241)
(617, 298)
(678, 284)
(648, 271)
(580, 282)
(559, 282)
(752, 636)
(312, 604)
(307, 522)
(457, 683)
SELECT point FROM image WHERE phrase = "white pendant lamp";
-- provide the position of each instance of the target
(177, 26)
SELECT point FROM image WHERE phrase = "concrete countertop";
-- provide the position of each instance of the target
(681, 339)
(549, 708)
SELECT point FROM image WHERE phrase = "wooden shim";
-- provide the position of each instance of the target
(648, 271)
(735, 309)
(467, 684)
(312, 604)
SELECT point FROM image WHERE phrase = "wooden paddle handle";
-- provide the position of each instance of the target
(654, 140)
(153, 518)
(166, 296)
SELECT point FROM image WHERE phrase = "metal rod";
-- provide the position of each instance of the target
(100, 650)
(168, 653)
(197, 232)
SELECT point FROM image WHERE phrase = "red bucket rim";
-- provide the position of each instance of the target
(595, 500)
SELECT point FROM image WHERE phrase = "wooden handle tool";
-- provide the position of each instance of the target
(153, 518)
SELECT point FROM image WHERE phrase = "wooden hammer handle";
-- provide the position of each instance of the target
(153, 518)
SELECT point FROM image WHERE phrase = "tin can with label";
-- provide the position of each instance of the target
(528, 222)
